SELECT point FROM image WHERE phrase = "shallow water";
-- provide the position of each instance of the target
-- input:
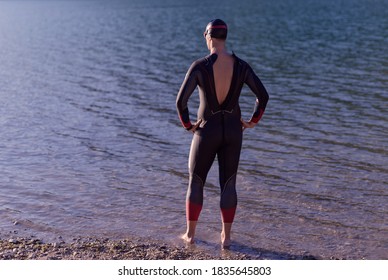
(91, 143)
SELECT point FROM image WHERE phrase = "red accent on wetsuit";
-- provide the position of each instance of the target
(193, 210)
(256, 119)
(228, 214)
(185, 124)
(218, 27)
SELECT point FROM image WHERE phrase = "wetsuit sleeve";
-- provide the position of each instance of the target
(259, 90)
(188, 86)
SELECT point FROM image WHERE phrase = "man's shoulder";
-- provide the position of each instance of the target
(203, 60)
(200, 63)
(241, 61)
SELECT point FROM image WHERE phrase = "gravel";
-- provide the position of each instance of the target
(102, 249)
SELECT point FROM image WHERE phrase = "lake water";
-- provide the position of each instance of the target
(91, 144)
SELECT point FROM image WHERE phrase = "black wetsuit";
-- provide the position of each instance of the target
(220, 132)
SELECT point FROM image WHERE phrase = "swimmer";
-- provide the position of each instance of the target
(218, 131)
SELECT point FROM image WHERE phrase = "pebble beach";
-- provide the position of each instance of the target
(103, 249)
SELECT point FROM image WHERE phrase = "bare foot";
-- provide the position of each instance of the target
(225, 241)
(187, 238)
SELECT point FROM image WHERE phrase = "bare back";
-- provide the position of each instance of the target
(223, 74)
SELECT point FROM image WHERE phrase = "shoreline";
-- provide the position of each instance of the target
(135, 248)
(29, 244)
(90, 248)
(32, 245)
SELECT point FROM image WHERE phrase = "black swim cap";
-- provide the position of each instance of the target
(217, 29)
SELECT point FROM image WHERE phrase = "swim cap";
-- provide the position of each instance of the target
(217, 29)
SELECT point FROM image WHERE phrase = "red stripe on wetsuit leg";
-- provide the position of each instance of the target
(228, 214)
(192, 211)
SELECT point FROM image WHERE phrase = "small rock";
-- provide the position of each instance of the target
(36, 241)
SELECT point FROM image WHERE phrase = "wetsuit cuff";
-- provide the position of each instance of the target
(254, 120)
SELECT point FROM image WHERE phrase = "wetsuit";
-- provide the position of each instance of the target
(220, 132)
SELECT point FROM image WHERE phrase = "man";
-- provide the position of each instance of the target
(219, 77)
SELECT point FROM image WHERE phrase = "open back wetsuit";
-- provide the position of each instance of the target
(220, 132)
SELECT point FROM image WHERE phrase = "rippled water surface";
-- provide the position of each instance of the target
(91, 144)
